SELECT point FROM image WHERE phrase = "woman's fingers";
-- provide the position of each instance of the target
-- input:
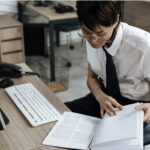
(108, 111)
(146, 117)
(115, 103)
(102, 112)
(108, 105)
(112, 109)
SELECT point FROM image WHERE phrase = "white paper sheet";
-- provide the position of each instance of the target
(123, 129)
(72, 131)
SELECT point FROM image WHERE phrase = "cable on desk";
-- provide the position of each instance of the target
(31, 73)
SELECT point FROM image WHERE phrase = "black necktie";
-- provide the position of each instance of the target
(112, 83)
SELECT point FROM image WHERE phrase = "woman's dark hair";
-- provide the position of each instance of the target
(91, 13)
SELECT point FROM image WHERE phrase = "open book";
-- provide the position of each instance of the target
(121, 132)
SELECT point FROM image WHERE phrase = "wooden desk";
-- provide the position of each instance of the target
(53, 18)
(19, 135)
(49, 12)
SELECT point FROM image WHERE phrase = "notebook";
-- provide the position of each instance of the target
(76, 131)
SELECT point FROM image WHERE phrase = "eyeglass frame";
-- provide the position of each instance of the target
(90, 37)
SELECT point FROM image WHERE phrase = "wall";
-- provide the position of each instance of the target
(137, 13)
(8, 7)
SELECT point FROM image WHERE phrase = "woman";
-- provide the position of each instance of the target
(118, 61)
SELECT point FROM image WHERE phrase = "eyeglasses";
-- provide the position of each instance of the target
(89, 37)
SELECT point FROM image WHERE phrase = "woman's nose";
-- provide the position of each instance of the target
(95, 43)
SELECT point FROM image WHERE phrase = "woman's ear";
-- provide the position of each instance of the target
(118, 17)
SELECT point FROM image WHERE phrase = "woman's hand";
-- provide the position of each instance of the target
(146, 108)
(107, 104)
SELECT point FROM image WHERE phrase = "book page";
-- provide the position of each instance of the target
(124, 127)
(72, 131)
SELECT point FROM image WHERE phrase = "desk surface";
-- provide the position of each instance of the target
(19, 135)
(8, 21)
(50, 13)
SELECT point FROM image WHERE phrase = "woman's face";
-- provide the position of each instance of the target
(100, 36)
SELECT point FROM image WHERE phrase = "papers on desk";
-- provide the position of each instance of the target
(72, 131)
(124, 131)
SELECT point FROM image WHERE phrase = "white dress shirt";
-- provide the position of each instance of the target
(130, 51)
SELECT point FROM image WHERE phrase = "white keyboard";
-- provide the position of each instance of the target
(34, 106)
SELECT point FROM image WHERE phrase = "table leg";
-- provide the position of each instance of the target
(20, 8)
(57, 38)
(52, 53)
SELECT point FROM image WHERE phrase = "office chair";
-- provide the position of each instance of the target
(67, 28)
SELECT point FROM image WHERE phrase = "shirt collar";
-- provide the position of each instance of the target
(116, 43)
